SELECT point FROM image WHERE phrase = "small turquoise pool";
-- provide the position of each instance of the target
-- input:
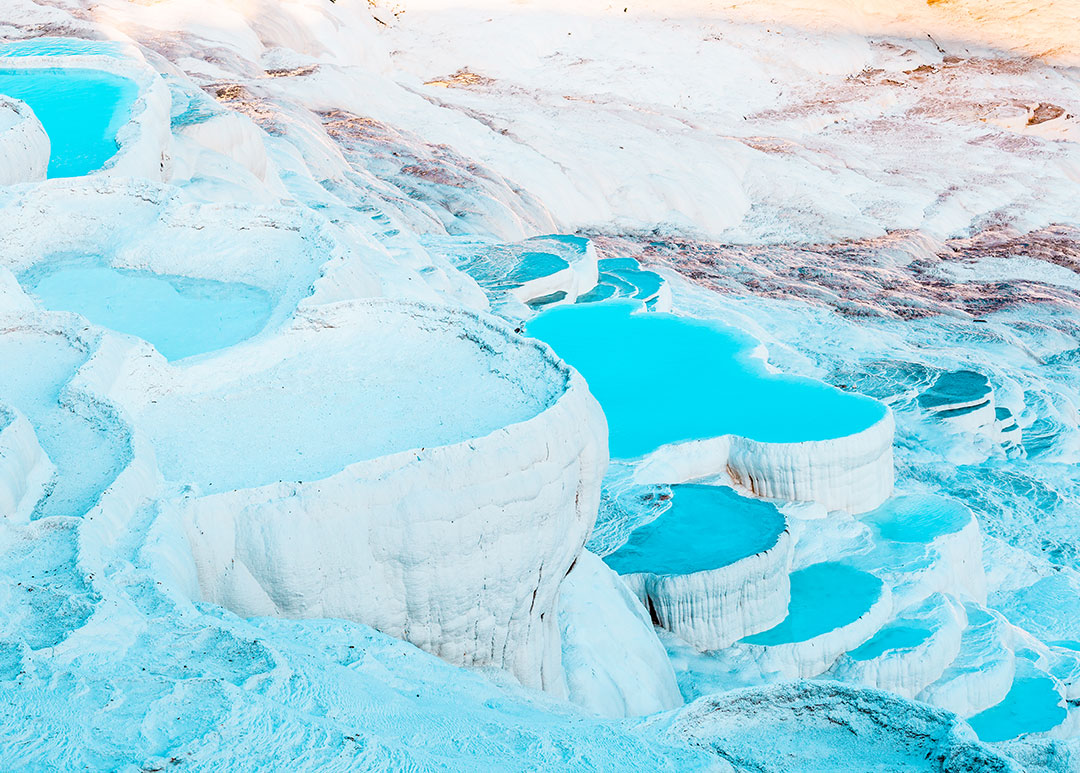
(824, 597)
(918, 518)
(81, 110)
(502, 267)
(955, 390)
(624, 278)
(706, 527)
(180, 316)
(60, 47)
(1033, 705)
(661, 379)
(892, 637)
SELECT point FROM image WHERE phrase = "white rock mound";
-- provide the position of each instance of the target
(828, 726)
(615, 665)
(852, 473)
(419, 469)
(24, 145)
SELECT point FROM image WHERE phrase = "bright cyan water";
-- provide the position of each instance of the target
(706, 527)
(661, 379)
(893, 637)
(824, 597)
(1033, 705)
(81, 110)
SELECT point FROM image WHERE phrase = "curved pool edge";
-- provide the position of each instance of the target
(714, 608)
(853, 473)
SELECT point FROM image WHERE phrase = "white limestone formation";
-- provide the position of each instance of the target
(615, 665)
(24, 145)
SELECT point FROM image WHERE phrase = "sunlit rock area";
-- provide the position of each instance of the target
(547, 385)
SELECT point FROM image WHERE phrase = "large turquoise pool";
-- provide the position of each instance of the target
(706, 527)
(81, 110)
(180, 316)
(662, 378)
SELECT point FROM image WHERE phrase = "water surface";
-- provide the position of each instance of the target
(662, 378)
(824, 597)
(706, 527)
(180, 316)
(81, 110)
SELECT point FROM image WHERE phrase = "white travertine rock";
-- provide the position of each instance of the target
(234, 135)
(24, 145)
(715, 608)
(615, 665)
(852, 473)
(576, 279)
(24, 468)
(829, 726)
(458, 548)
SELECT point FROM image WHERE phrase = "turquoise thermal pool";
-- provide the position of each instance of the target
(706, 527)
(60, 47)
(81, 110)
(662, 378)
(180, 316)
(892, 637)
(1033, 705)
(918, 518)
(824, 597)
(624, 278)
(503, 267)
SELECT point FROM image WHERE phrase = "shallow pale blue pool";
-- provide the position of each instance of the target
(81, 110)
(60, 47)
(180, 316)
(706, 527)
(88, 451)
(624, 278)
(893, 637)
(661, 379)
(824, 597)
(918, 518)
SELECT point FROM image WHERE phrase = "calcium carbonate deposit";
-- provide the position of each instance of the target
(415, 385)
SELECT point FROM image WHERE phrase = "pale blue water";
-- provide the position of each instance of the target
(623, 278)
(1031, 706)
(893, 637)
(950, 388)
(824, 597)
(81, 110)
(88, 450)
(178, 315)
(533, 265)
(706, 527)
(918, 518)
(662, 378)
(575, 243)
(61, 47)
